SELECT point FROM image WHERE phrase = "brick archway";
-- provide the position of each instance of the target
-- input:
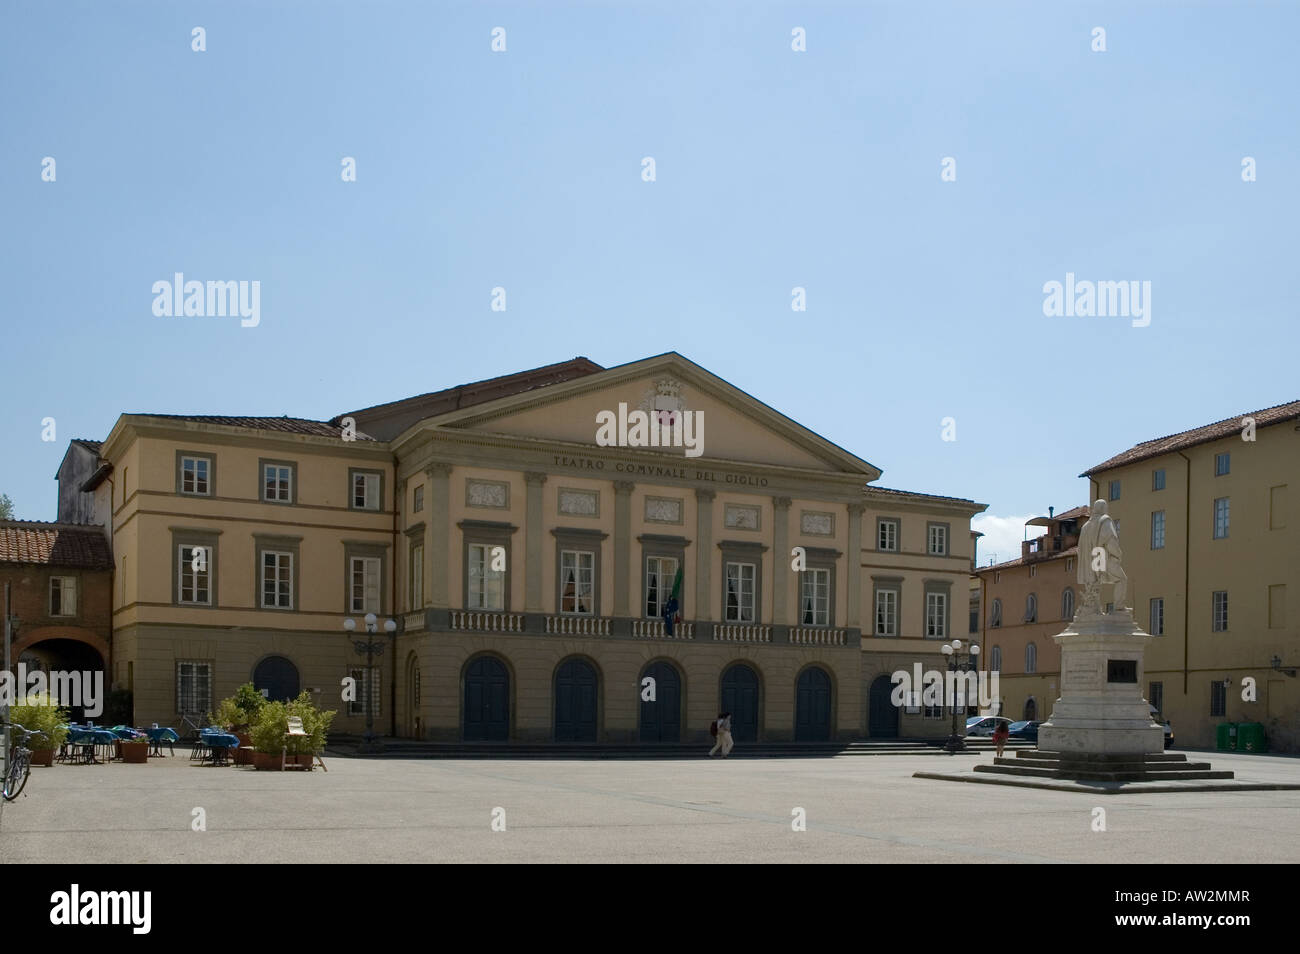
(27, 639)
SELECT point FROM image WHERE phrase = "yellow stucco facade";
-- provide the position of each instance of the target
(527, 567)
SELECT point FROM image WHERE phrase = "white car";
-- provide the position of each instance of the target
(984, 725)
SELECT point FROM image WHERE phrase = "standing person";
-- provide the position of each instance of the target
(1000, 735)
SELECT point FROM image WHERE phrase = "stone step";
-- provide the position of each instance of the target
(1103, 758)
(1101, 776)
(1161, 767)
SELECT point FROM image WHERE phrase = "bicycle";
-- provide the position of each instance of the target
(20, 763)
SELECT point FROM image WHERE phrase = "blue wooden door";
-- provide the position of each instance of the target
(278, 677)
(487, 701)
(661, 719)
(812, 721)
(575, 702)
(882, 714)
(740, 698)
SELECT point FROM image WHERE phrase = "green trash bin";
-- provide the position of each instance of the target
(1250, 737)
(1226, 736)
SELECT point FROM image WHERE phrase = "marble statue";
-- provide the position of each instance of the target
(1100, 559)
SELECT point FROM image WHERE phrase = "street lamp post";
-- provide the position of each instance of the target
(958, 662)
(370, 648)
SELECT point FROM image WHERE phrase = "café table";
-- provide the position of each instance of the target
(219, 742)
(157, 736)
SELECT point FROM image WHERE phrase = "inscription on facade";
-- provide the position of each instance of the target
(657, 470)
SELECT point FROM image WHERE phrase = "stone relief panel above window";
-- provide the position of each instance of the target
(487, 493)
(741, 517)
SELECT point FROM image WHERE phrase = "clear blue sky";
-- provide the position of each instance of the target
(775, 169)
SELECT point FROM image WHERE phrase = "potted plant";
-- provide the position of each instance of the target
(39, 714)
(268, 736)
(315, 722)
(134, 751)
(238, 713)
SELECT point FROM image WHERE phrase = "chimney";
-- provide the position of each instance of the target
(1049, 512)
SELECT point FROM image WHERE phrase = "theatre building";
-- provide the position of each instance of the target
(527, 559)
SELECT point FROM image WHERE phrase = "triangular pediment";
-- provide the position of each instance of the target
(729, 424)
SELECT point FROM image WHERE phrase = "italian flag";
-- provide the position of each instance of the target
(671, 608)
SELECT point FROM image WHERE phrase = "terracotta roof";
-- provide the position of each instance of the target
(1046, 558)
(284, 425)
(479, 392)
(1200, 435)
(54, 544)
(872, 488)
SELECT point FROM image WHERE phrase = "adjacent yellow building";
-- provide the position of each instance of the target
(528, 563)
(1212, 552)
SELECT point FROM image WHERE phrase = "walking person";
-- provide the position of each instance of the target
(724, 743)
(716, 733)
(1000, 735)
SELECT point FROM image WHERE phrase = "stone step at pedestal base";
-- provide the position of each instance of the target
(1087, 767)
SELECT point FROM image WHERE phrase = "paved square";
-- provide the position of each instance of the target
(859, 809)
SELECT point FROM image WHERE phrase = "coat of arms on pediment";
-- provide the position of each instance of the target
(665, 401)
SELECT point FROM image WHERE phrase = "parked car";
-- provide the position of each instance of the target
(984, 725)
(1027, 729)
(1169, 729)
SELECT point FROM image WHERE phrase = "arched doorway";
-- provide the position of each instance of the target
(414, 724)
(1031, 709)
(486, 712)
(812, 708)
(740, 697)
(74, 674)
(882, 714)
(575, 701)
(661, 718)
(276, 678)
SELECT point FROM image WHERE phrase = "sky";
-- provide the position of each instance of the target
(774, 169)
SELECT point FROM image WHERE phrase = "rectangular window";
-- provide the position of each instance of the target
(933, 712)
(1158, 530)
(1158, 483)
(368, 691)
(277, 483)
(193, 688)
(418, 503)
(887, 535)
(1156, 696)
(1277, 507)
(1221, 518)
(1277, 606)
(277, 580)
(936, 615)
(194, 476)
(1114, 490)
(577, 582)
(659, 575)
(365, 490)
(63, 596)
(937, 539)
(487, 589)
(740, 592)
(416, 587)
(1157, 627)
(1218, 699)
(1222, 464)
(363, 585)
(815, 598)
(1220, 616)
(195, 577)
(886, 612)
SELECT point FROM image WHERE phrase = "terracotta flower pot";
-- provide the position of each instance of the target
(134, 753)
(244, 755)
(268, 761)
(43, 757)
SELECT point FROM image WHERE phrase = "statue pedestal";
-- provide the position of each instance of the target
(1101, 710)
